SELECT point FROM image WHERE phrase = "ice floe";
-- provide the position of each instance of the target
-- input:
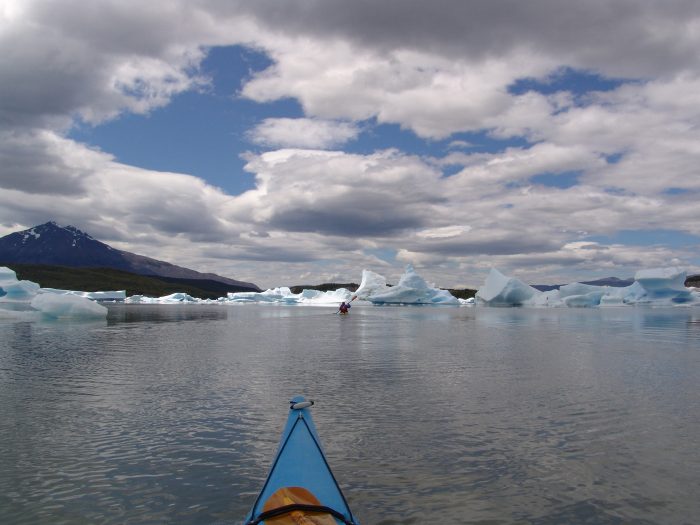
(499, 290)
(26, 300)
(658, 287)
(67, 306)
(412, 289)
(113, 295)
(661, 286)
(173, 298)
(284, 295)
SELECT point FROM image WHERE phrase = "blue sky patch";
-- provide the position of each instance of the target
(670, 238)
(563, 180)
(576, 81)
(202, 133)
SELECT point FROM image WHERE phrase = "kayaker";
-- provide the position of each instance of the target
(344, 307)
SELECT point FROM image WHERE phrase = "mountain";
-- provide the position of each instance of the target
(611, 281)
(51, 244)
(605, 281)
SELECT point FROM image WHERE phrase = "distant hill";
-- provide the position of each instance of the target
(325, 287)
(691, 280)
(104, 279)
(605, 281)
(67, 246)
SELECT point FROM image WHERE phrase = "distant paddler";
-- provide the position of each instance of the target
(345, 307)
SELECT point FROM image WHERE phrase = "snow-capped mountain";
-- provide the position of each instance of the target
(68, 246)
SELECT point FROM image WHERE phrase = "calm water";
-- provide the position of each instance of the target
(171, 414)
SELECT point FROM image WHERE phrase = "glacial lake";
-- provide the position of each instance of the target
(172, 413)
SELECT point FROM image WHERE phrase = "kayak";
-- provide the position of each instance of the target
(300, 488)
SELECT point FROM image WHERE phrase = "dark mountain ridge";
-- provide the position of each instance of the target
(51, 244)
(605, 281)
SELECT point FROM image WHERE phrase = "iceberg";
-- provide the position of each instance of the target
(113, 295)
(373, 289)
(283, 295)
(412, 289)
(658, 286)
(26, 300)
(12, 289)
(67, 306)
(173, 298)
(274, 295)
(664, 284)
(372, 284)
(499, 290)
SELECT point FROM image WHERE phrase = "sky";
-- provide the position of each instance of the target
(300, 142)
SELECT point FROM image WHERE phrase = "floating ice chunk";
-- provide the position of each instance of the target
(13, 290)
(581, 295)
(499, 290)
(19, 290)
(111, 295)
(662, 279)
(371, 284)
(114, 295)
(664, 284)
(61, 306)
(173, 298)
(585, 300)
(7, 274)
(24, 299)
(177, 297)
(281, 294)
(661, 286)
(318, 297)
(412, 289)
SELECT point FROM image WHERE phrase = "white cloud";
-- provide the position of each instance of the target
(341, 194)
(435, 69)
(303, 133)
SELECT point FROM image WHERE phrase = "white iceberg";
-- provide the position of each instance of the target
(412, 289)
(67, 306)
(274, 295)
(12, 289)
(25, 300)
(173, 298)
(112, 295)
(499, 290)
(664, 284)
(659, 286)
(330, 297)
(284, 295)
(372, 284)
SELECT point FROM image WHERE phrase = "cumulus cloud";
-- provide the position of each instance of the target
(436, 70)
(337, 193)
(95, 60)
(303, 133)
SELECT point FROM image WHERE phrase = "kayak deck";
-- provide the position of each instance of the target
(300, 488)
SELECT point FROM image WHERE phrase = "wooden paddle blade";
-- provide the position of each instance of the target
(287, 496)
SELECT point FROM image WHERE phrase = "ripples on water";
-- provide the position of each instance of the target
(451, 415)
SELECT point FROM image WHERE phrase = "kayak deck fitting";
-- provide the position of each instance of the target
(300, 488)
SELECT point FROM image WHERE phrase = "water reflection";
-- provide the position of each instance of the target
(172, 413)
(167, 313)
